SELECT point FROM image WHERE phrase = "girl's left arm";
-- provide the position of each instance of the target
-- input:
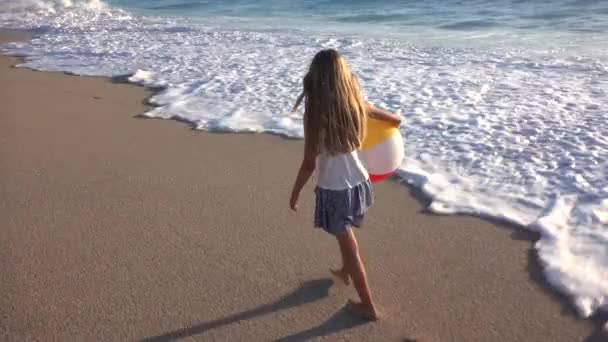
(309, 163)
(382, 115)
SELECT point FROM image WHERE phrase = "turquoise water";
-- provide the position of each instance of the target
(556, 15)
(524, 23)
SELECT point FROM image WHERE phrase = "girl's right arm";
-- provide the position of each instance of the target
(309, 163)
(382, 115)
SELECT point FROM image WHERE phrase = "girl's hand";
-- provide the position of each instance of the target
(383, 115)
(293, 201)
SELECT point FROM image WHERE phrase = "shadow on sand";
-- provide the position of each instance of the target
(308, 292)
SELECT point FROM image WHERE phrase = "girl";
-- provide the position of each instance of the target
(335, 118)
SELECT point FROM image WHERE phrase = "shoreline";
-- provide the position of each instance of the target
(469, 255)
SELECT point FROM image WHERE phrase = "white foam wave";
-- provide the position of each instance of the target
(575, 259)
(49, 6)
(510, 134)
(42, 15)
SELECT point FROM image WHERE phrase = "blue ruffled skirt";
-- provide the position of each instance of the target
(336, 210)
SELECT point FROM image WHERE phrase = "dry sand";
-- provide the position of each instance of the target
(119, 228)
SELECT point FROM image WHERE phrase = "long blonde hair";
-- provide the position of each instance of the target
(335, 115)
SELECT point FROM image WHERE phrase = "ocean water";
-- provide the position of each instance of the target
(504, 102)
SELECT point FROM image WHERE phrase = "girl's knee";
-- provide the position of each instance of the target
(345, 237)
(349, 243)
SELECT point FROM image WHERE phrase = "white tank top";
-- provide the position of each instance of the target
(340, 171)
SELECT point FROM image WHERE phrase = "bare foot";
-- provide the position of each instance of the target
(362, 311)
(342, 275)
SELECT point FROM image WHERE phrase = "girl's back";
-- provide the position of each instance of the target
(340, 171)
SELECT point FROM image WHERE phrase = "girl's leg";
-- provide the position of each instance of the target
(354, 266)
(342, 273)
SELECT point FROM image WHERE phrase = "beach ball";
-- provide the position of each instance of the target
(382, 149)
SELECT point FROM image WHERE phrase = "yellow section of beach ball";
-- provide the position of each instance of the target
(377, 132)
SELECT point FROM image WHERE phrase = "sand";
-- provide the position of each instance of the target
(115, 228)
